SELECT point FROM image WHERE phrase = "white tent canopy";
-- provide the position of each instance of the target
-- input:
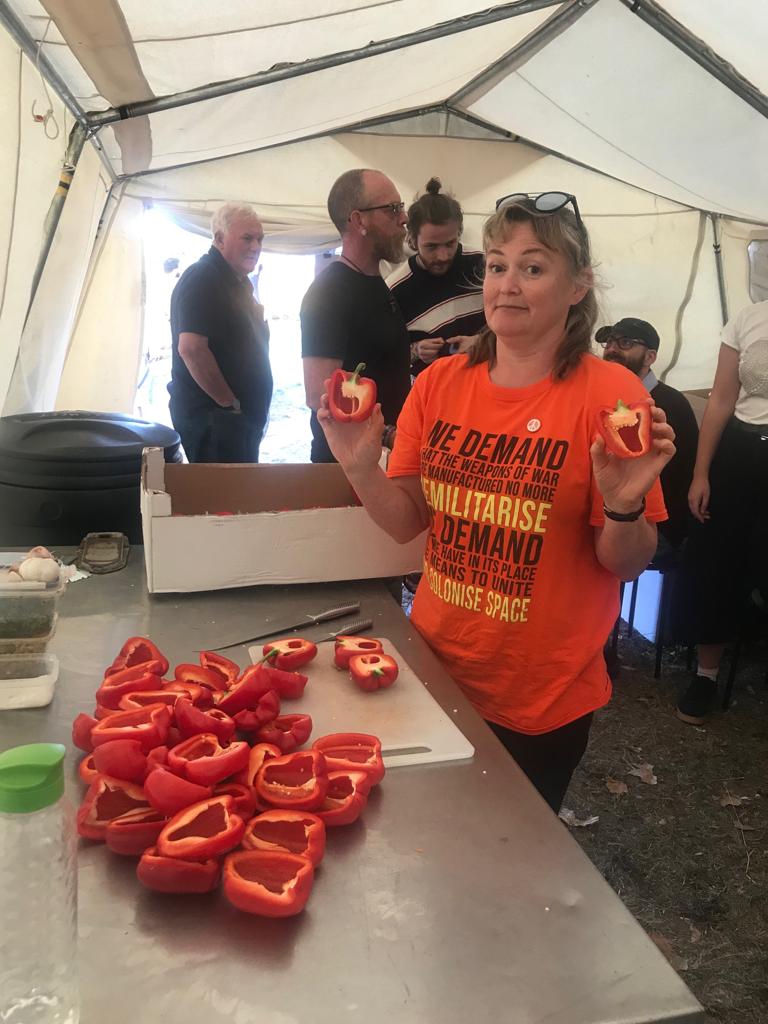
(653, 114)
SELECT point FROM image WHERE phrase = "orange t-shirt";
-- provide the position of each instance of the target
(513, 599)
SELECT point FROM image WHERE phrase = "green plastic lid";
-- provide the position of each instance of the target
(31, 777)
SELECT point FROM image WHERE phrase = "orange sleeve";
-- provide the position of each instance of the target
(405, 459)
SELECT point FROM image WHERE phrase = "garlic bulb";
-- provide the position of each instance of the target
(46, 570)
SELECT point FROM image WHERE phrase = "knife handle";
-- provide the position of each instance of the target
(335, 613)
(351, 628)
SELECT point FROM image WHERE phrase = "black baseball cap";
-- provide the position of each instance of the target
(630, 327)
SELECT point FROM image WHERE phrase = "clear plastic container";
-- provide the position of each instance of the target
(28, 617)
(38, 897)
(27, 681)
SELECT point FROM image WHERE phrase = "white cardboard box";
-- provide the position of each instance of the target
(211, 527)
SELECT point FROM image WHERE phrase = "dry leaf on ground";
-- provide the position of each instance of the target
(569, 817)
(644, 772)
(733, 801)
(616, 787)
(665, 946)
(695, 934)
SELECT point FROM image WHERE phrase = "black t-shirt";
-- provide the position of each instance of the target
(212, 300)
(677, 474)
(351, 316)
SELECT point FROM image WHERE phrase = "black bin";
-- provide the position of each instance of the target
(65, 474)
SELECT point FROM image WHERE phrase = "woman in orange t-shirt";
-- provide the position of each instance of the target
(531, 520)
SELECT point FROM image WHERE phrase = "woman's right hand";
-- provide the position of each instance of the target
(355, 446)
(698, 498)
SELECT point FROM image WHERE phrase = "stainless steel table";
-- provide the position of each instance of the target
(460, 897)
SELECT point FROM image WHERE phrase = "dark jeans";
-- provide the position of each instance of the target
(550, 758)
(218, 435)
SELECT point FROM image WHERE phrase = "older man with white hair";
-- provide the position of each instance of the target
(221, 379)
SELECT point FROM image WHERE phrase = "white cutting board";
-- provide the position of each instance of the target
(411, 725)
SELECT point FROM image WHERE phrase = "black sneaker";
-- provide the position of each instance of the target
(697, 701)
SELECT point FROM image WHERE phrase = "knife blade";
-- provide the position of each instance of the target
(307, 620)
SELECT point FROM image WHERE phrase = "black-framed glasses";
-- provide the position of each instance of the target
(625, 344)
(543, 202)
(393, 208)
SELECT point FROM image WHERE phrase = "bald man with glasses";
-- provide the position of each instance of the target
(348, 315)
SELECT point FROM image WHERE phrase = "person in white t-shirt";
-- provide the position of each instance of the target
(727, 553)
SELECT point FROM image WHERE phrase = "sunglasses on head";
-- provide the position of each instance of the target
(542, 202)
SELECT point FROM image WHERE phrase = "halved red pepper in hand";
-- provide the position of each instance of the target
(169, 793)
(140, 699)
(373, 671)
(298, 832)
(243, 796)
(125, 680)
(352, 751)
(187, 672)
(132, 833)
(139, 650)
(296, 782)
(351, 398)
(122, 759)
(272, 884)
(87, 769)
(289, 685)
(201, 696)
(148, 725)
(106, 800)
(225, 667)
(345, 798)
(206, 829)
(626, 429)
(245, 694)
(265, 710)
(191, 721)
(347, 647)
(203, 760)
(172, 874)
(290, 653)
(81, 732)
(260, 753)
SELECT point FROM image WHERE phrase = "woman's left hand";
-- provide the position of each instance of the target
(624, 483)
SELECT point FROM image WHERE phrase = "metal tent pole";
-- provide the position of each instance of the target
(281, 73)
(655, 16)
(717, 249)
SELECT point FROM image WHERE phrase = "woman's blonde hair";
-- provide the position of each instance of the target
(560, 232)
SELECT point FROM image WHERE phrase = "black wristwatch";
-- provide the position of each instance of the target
(624, 517)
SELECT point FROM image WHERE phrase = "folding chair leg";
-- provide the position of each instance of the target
(731, 675)
(661, 625)
(632, 605)
(617, 624)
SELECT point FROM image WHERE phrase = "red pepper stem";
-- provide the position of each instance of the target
(270, 654)
(358, 370)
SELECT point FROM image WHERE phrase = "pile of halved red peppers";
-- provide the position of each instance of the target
(169, 782)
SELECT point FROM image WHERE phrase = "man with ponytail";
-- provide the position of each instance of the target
(440, 288)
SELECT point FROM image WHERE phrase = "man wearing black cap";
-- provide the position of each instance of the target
(635, 344)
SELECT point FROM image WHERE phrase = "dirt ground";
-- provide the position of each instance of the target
(687, 854)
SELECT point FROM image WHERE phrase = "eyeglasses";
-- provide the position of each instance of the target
(625, 344)
(543, 202)
(394, 208)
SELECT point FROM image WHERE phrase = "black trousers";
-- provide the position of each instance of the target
(550, 758)
(726, 557)
(217, 435)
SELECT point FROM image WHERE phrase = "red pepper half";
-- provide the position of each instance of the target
(244, 797)
(132, 833)
(190, 673)
(626, 429)
(352, 751)
(207, 829)
(293, 831)
(140, 699)
(272, 884)
(156, 757)
(260, 753)
(286, 731)
(87, 769)
(106, 800)
(81, 732)
(169, 794)
(345, 798)
(251, 685)
(373, 671)
(148, 725)
(347, 647)
(290, 653)
(202, 759)
(201, 696)
(124, 681)
(122, 759)
(225, 667)
(289, 685)
(351, 398)
(172, 874)
(296, 782)
(139, 650)
(265, 710)
(191, 721)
